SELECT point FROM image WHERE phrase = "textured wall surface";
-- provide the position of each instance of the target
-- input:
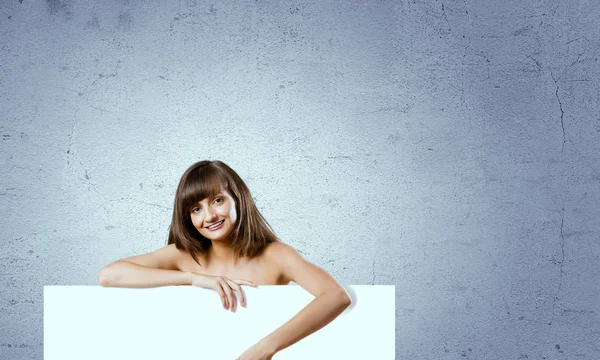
(448, 148)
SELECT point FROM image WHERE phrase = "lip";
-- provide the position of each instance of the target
(218, 227)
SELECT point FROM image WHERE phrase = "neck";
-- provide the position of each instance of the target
(221, 253)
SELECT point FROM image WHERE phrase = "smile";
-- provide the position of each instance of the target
(216, 226)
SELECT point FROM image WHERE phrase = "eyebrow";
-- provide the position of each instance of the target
(212, 196)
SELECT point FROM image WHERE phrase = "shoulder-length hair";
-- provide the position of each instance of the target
(251, 234)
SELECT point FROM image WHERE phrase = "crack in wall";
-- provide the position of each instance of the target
(562, 114)
(113, 74)
(537, 63)
(373, 279)
(562, 260)
(138, 201)
(445, 17)
(69, 152)
(462, 87)
(71, 137)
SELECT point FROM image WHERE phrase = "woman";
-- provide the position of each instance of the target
(217, 235)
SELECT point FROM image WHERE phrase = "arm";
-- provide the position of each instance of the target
(330, 300)
(158, 268)
(161, 268)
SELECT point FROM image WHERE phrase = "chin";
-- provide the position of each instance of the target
(217, 236)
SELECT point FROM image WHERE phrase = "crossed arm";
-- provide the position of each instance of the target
(330, 300)
(159, 269)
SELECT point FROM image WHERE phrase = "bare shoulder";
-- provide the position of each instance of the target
(292, 266)
(280, 257)
(274, 256)
(279, 252)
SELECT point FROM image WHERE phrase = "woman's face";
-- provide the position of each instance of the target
(214, 217)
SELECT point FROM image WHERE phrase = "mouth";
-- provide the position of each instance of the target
(216, 226)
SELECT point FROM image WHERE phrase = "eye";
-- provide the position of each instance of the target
(196, 208)
(219, 200)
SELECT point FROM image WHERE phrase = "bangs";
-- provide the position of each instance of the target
(201, 184)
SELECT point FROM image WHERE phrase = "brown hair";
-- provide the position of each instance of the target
(206, 178)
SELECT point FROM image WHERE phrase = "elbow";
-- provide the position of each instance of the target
(345, 299)
(104, 277)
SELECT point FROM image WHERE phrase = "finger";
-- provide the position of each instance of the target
(239, 291)
(235, 297)
(245, 282)
(234, 294)
(222, 295)
(226, 298)
(227, 289)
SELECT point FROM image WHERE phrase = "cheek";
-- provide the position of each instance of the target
(232, 214)
(195, 221)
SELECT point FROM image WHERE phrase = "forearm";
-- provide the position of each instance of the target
(130, 275)
(318, 313)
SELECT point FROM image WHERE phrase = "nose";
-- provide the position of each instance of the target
(210, 214)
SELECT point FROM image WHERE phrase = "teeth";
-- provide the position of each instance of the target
(215, 225)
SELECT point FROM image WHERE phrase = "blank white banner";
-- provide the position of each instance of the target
(184, 322)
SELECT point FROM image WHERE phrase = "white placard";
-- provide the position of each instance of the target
(184, 322)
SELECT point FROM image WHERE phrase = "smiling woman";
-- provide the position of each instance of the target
(219, 240)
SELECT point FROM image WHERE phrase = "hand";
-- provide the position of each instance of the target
(224, 287)
(258, 351)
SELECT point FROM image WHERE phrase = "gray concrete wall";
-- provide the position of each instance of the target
(448, 148)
